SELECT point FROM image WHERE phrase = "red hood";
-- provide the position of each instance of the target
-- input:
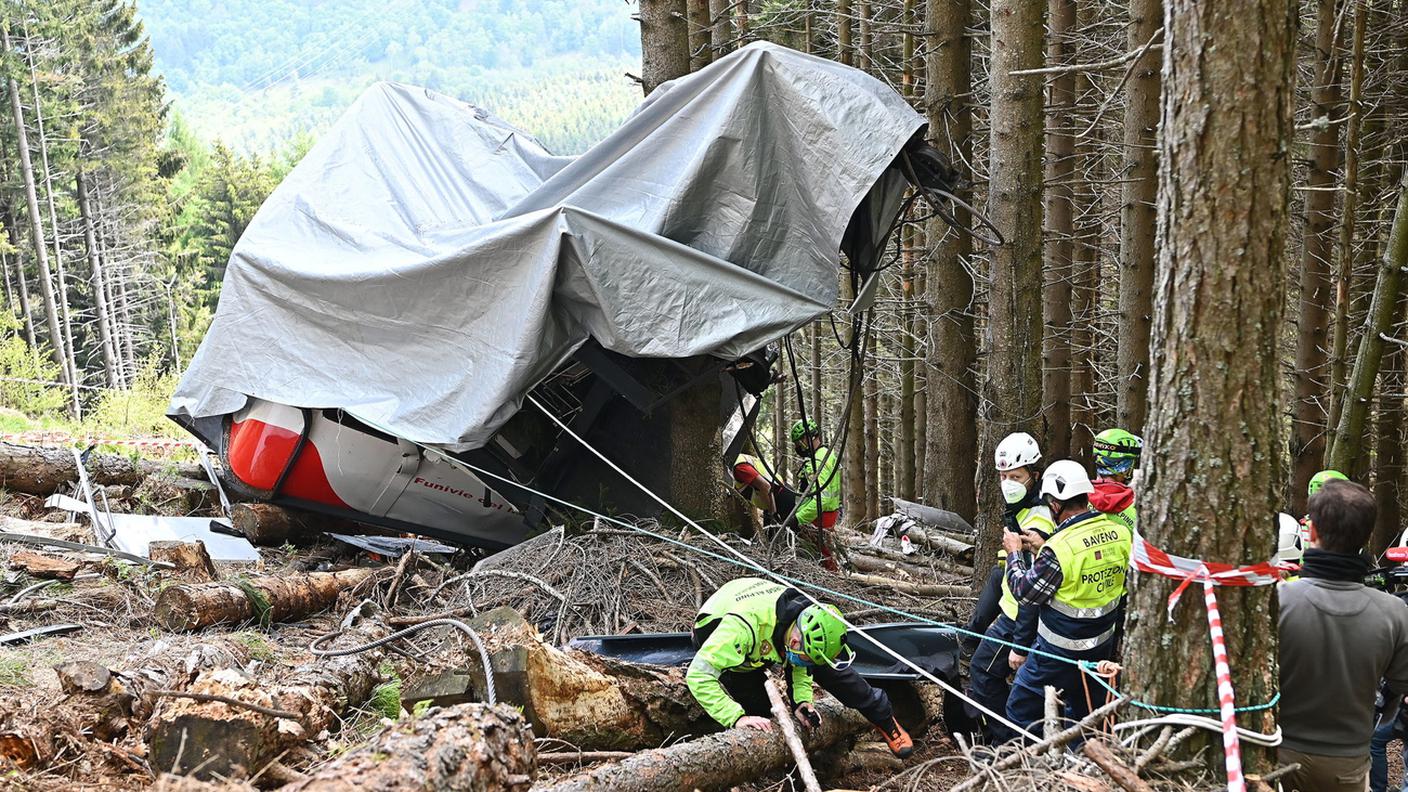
(1111, 497)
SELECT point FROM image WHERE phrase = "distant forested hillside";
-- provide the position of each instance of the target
(257, 73)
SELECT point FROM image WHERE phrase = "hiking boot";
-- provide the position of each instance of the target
(897, 738)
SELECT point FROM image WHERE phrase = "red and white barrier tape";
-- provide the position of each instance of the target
(65, 440)
(1231, 746)
(1147, 558)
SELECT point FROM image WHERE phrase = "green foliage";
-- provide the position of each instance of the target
(21, 371)
(139, 410)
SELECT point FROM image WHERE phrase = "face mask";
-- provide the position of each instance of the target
(1013, 491)
(797, 660)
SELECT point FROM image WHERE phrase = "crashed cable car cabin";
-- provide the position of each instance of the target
(422, 296)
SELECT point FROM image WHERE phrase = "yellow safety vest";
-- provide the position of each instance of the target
(1094, 556)
(1036, 518)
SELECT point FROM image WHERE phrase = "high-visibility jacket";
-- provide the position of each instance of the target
(755, 497)
(1093, 551)
(819, 469)
(1035, 518)
(747, 635)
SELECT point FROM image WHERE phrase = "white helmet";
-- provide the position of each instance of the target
(1065, 479)
(1018, 449)
(1289, 546)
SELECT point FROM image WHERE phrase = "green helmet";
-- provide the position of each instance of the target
(803, 428)
(1318, 480)
(823, 633)
(1116, 451)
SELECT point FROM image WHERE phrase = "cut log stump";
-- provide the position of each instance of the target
(213, 738)
(464, 748)
(189, 559)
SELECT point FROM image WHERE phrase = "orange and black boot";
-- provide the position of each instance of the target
(897, 738)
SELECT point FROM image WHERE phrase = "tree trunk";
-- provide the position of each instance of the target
(30, 336)
(664, 42)
(215, 739)
(267, 599)
(1058, 293)
(1085, 274)
(1215, 481)
(716, 762)
(866, 51)
(189, 559)
(1012, 388)
(1383, 309)
(1388, 459)
(871, 438)
(814, 343)
(853, 461)
(844, 51)
(90, 239)
(700, 52)
(720, 29)
(1137, 215)
(952, 357)
(1309, 444)
(905, 432)
(36, 226)
(75, 407)
(464, 748)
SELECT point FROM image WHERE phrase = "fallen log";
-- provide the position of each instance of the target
(590, 701)
(211, 737)
(44, 567)
(43, 471)
(189, 559)
(714, 762)
(267, 599)
(921, 589)
(469, 747)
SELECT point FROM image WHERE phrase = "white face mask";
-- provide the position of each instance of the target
(1013, 491)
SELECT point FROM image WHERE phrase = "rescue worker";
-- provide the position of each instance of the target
(755, 482)
(1290, 544)
(819, 499)
(1116, 457)
(998, 615)
(751, 624)
(1318, 480)
(1078, 583)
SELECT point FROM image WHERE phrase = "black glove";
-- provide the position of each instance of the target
(807, 715)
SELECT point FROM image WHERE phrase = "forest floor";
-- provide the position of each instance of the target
(592, 581)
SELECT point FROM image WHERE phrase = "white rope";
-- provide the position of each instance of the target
(1211, 724)
(750, 563)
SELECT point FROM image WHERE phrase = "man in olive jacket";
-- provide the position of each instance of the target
(1339, 638)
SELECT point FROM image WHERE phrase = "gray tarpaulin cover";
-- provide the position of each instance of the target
(426, 264)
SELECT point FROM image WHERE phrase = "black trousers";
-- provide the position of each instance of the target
(849, 687)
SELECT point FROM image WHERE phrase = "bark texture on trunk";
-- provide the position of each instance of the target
(952, 359)
(700, 52)
(269, 599)
(1216, 479)
(664, 42)
(1388, 457)
(1314, 381)
(1137, 216)
(1012, 394)
(1060, 246)
(716, 762)
(464, 748)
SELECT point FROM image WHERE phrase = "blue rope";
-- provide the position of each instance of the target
(1084, 665)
